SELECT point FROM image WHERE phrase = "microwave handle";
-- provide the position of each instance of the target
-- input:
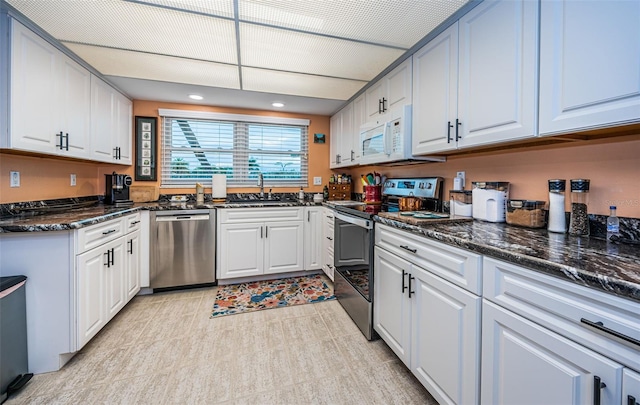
(387, 139)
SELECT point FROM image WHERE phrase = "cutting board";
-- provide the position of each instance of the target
(418, 221)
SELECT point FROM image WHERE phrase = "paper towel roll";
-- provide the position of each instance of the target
(219, 186)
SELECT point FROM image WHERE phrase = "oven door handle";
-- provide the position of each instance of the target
(361, 222)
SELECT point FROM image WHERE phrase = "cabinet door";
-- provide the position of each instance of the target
(589, 77)
(446, 331)
(132, 274)
(391, 303)
(75, 98)
(335, 128)
(435, 94)
(115, 286)
(398, 86)
(90, 278)
(359, 118)
(345, 149)
(313, 238)
(283, 247)
(34, 85)
(373, 96)
(240, 250)
(630, 387)
(102, 119)
(524, 363)
(123, 128)
(497, 93)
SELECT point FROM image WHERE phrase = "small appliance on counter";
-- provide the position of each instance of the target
(461, 203)
(490, 200)
(117, 189)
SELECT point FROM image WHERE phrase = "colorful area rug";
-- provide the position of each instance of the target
(254, 296)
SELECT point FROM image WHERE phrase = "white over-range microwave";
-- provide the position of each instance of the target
(388, 139)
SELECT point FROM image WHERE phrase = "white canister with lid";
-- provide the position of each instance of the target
(490, 200)
(557, 218)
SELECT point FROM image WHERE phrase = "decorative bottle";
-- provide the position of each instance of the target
(557, 219)
(613, 223)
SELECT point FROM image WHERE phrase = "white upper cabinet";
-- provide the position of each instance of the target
(392, 90)
(359, 118)
(50, 95)
(475, 83)
(111, 124)
(342, 137)
(589, 64)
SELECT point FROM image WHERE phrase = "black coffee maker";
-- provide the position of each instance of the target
(117, 189)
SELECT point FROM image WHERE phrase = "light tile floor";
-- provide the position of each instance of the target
(164, 349)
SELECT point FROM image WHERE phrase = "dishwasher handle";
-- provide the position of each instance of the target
(174, 218)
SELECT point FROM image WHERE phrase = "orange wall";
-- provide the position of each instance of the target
(613, 169)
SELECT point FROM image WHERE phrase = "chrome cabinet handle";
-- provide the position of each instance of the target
(408, 248)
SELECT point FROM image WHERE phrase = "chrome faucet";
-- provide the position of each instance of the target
(261, 184)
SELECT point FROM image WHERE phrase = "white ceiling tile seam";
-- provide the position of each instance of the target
(238, 50)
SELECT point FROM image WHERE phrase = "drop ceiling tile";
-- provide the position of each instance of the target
(399, 23)
(222, 8)
(299, 84)
(277, 49)
(139, 65)
(132, 26)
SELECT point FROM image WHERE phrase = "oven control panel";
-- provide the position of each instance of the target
(426, 187)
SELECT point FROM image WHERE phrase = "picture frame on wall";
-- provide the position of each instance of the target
(146, 149)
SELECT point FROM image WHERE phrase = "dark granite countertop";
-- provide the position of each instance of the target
(592, 262)
(81, 217)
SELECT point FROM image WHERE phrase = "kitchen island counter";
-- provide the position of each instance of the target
(592, 262)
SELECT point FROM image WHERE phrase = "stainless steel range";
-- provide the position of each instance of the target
(354, 239)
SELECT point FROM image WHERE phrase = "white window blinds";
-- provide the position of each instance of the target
(195, 146)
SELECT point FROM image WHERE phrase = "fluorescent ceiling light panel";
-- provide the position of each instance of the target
(277, 49)
(125, 25)
(223, 8)
(393, 23)
(155, 67)
(299, 84)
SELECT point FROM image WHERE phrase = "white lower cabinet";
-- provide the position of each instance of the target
(525, 363)
(108, 276)
(630, 387)
(431, 324)
(256, 241)
(313, 240)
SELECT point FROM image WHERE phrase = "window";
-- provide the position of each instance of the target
(196, 145)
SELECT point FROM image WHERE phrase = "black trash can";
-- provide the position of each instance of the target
(13, 336)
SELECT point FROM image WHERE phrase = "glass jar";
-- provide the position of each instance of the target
(557, 219)
(579, 220)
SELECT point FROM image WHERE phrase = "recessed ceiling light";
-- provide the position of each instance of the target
(277, 104)
(195, 97)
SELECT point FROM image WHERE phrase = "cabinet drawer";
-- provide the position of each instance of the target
(567, 308)
(458, 266)
(132, 222)
(96, 235)
(239, 215)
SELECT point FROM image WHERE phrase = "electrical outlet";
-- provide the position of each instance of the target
(15, 179)
(73, 179)
(317, 181)
(461, 175)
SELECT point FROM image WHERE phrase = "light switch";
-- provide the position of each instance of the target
(317, 181)
(73, 179)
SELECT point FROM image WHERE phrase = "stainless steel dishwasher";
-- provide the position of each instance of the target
(183, 248)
